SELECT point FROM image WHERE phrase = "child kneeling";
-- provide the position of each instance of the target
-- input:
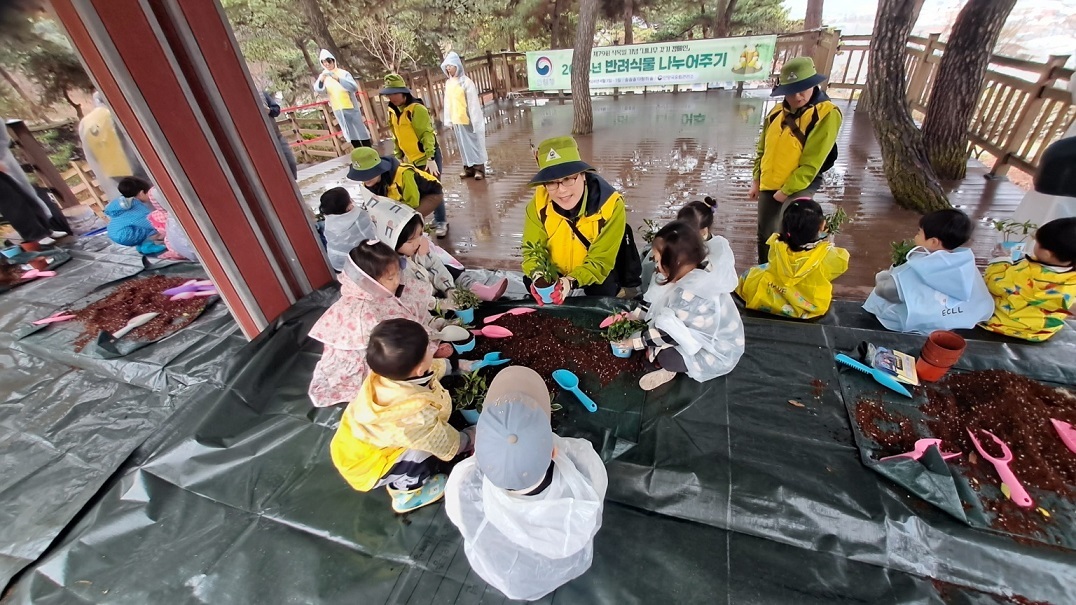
(128, 217)
(1033, 297)
(694, 326)
(396, 433)
(939, 288)
(797, 281)
(529, 502)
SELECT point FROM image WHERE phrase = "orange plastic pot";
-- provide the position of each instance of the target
(943, 348)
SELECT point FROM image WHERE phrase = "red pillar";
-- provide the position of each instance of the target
(174, 78)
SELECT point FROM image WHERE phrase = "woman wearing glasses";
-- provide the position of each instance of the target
(340, 87)
(579, 218)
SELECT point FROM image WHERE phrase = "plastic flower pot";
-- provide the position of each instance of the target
(928, 372)
(40, 263)
(470, 416)
(465, 315)
(940, 352)
(12, 252)
(620, 350)
(546, 293)
(30, 246)
(465, 346)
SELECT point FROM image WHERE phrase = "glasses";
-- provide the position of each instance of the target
(565, 182)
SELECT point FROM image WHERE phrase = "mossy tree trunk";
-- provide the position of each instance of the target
(907, 170)
(959, 83)
(583, 114)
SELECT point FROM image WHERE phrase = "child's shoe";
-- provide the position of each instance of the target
(405, 501)
(490, 293)
(653, 380)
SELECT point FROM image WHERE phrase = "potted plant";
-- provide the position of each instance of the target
(835, 220)
(1013, 236)
(468, 396)
(900, 251)
(545, 273)
(649, 229)
(620, 330)
(465, 301)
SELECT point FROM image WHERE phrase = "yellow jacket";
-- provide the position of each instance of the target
(788, 160)
(1031, 300)
(387, 418)
(794, 284)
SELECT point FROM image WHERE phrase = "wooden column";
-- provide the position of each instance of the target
(39, 159)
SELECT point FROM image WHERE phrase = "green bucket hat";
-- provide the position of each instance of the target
(797, 75)
(394, 83)
(557, 158)
(366, 164)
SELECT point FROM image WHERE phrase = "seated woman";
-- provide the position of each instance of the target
(580, 220)
(128, 217)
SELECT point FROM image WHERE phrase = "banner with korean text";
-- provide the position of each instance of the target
(658, 64)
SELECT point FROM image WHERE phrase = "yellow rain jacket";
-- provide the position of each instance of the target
(1031, 300)
(794, 284)
(416, 140)
(408, 184)
(387, 418)
(601, 219)
(789, 159)
(102, 142)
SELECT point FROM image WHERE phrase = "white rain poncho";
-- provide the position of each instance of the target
(389, 219)
(528, 546)
(932, 291)
(699, 314)
(463, 113)
(345, 231)
(341, 89)
(107, 152)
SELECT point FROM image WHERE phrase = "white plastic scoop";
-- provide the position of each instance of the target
(135, 322)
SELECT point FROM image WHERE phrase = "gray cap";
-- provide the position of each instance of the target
(514, 440)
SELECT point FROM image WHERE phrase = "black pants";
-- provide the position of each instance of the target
(356, 143)
(671, 360)
(22, 211)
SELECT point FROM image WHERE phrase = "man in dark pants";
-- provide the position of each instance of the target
(274, 110)
(797, 145)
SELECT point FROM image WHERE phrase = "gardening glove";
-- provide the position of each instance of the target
(564, 288)
(537, 297)
(466, 441)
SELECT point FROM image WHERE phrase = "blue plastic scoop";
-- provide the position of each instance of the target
(490, 359)
(882, 378)
(570, 382)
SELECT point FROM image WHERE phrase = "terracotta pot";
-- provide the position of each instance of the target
(30, 246)
(943, 349)
(928, 372)
(40, 263)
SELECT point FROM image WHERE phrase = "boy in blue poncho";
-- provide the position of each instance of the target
(939, 288)
(128, 215)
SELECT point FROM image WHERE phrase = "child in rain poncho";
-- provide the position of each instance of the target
(719, 252)
(798, 280)
(346, 225)
(340, 87)
(939, 288)
(694, 326)
(374, 286)
(128, 217)
(1034, 297)
(528, 503)
(463, 114)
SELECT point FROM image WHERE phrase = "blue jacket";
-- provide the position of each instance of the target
(128, 221)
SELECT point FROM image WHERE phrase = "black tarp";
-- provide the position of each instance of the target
(725, 493)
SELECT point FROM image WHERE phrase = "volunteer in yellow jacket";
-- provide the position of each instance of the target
(797, 145)
(578, 218)
(415, 137)
(389, 178)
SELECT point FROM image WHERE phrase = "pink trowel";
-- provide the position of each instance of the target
(1066, 432)
(515, 311)
(921, 447)
(493, 332)
(1017, 493)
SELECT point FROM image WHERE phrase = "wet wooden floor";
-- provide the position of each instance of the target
(663, 150)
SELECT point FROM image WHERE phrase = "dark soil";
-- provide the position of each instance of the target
(894, 432)
(133, 298)
(544, 344)
(10, 274)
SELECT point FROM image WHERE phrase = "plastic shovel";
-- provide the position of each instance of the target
(882, 378)
(1017, 493)
(489, 360)
(135, 322)
(34, 274)
(53, 319)
(515, 311)
(493, 332)
(193, 285)
(1067, 433)
(191, 294)
(570, 382)
(921, 447)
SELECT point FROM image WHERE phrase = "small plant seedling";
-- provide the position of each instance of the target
(900, 251)
(836, 220)
(649, 229)
(544, 270)
(471, 392)
(623, 329)
(464, 298)
(1011, 227)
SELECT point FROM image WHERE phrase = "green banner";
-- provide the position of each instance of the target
(658, 64)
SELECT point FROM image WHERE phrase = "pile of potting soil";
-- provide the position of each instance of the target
(133, 298)
(545, 344)
(894, 432)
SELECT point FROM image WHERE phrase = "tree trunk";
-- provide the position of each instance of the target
(554, 35)
(904, 158)
(31, 104)
(73, 104)
(319, 29)
(723, 19)
(583, 114)
(310, 65)
(813, 19)
(629, 22)
(959, 83)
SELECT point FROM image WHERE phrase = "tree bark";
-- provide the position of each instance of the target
(554, 35)
(73, 104)
(319, 28)
(813, 18)
(723, 18)
(959, 83)
(300, 43)
(31, 104)
(904, 159)
(629, 22)
(583, 114)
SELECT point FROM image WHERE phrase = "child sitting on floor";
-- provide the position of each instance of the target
(346, 225)
(1033, 297)
(401, 227)
(373, 288)
(694, 327)
(700, 214)
(128, 217)
(528, 503)
(396, 433)
(939, 288)
(797, 281)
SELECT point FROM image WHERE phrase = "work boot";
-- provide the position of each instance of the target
(440, 229)
(468, 171)
(490, 293)
(405, 501)
(479, 172)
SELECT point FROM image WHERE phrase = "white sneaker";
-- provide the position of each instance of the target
(58, 234)
(440, 229)
(46, 241)
(655, 379)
